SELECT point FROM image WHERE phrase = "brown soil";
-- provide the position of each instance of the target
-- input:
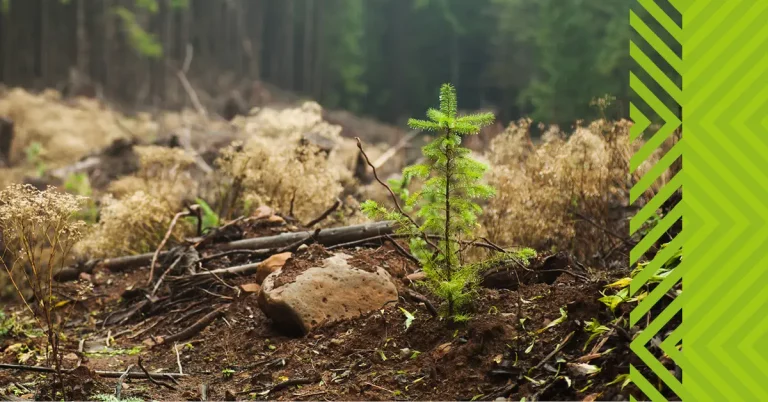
(374, 357)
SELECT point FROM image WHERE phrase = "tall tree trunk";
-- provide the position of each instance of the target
(318, 71)
(289, 45)
(257, 35)
(309, 19)
(82, 39)
(42, 51)
(107, 39)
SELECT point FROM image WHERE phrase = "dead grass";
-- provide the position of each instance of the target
(570, 192)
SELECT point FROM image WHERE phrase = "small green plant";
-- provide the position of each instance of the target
(227, 372)
(33, 154)
(80, 184)
(210, 217)
(445, 204)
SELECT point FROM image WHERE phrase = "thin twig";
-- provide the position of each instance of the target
(559, 347)
(419, 297)
(178, 357)
(162, 244)
(297, 381)
(402, 251)
(162, 277)
(226, 254)
(627, 241)
(325, 214)
(393, 196)
(152, 380)
(105, 374)
(195, 328)
(119, 386)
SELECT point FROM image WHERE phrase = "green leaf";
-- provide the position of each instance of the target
(408, 317)
(560, 320)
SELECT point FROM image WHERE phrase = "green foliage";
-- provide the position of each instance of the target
(145, 43)
(33, 154)
(445, 204)
(210, 217)
(80, 184)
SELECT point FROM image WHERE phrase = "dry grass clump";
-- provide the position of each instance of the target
(568, 192)
(132, 225)
(282, 178)
(164, 173)
(72, 129)
(136, 215)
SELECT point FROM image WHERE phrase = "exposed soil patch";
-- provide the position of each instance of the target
(516, 344)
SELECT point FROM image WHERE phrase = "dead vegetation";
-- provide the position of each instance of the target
(284, 189)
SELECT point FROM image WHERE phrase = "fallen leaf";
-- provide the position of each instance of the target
(498, 358)
(592, 397)
(441, 350)
(583, 369)
(251, 288)
(270, 265)
(620, 284)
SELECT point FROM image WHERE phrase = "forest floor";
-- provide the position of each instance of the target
(515, 345)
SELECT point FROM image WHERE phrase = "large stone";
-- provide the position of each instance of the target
(330, 292)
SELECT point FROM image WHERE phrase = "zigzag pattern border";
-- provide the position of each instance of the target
(671, 92)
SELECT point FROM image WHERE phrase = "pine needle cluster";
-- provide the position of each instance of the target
(445, 205)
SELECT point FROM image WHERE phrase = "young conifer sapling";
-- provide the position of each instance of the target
(445, 205)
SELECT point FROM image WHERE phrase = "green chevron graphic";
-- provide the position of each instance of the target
(724, 180)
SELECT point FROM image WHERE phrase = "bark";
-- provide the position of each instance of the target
(82, 39)
(288, 45)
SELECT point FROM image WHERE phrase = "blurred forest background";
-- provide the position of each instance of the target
(547, 59)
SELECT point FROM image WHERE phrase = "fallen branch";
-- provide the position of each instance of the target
(162, 244)
(152, 380)
(259, 245)
(105, 374)
(196, 327)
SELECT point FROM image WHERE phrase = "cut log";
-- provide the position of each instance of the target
(326, 237)
(6, 139)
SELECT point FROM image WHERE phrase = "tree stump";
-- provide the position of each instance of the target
(6, 139)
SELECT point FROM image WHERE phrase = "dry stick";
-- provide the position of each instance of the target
(325, 214)
(162, 244)
(401, 250)
(162, 277)
(328, 237)
(419, 297)
(392, 195)
(196, 327)
(178, 357)
(559, 347)
(225, 254)
(152, 380)
(290, 383)
(119, 386)
(105, 374)
(392, 151)
(138, 334)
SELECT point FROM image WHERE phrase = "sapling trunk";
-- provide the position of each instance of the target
(449, 173)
